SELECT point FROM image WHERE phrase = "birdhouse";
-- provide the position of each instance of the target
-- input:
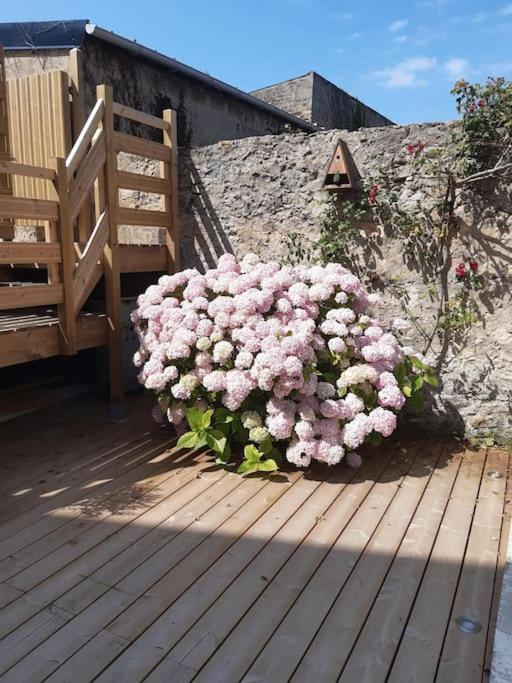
(340, 175)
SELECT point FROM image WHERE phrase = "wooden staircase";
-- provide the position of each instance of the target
(45, 318)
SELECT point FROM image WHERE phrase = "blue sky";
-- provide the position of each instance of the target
(399, 57)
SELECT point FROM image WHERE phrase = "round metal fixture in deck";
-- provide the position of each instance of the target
(468, 625)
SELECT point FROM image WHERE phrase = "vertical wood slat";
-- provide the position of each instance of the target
(78, 121)
(5, 180)
(39, 127)
(67, 318)
(169, 203)
(111, 259)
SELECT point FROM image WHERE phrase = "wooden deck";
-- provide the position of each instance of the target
(122, 559)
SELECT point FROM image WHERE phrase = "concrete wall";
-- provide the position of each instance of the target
(318, 100)
(334, 108)
(245, 195)
(293, 96)
(25, 63)
(205, 115)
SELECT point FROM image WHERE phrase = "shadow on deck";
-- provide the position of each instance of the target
(124, 559)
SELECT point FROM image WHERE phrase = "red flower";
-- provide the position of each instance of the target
(410, 148)
(481, 103)
(372, 194)
(473, 265)
(460, 270)
(420, 147)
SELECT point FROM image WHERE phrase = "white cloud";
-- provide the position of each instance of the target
(344, 16)
(401, 39)
(457, 67)
(479, 18)
(405, 73)
(398, 25)
(339, 51)
(506, 10)
(355, 35)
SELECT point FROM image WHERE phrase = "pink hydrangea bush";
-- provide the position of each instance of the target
(289, 359)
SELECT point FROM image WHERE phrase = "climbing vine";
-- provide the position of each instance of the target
(425, 227)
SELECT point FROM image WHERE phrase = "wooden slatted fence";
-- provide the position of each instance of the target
(54, 193)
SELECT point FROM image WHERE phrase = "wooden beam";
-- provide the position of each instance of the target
(111, 258)
(141, 147)
(76, 74)
(33, 343)
(84, 139)
(89, 169)
(14, 168)
(85, 279)
(19, 207)
(25, 296)
(143, 217)
(67, 316)
(170, 204)
(139, 116)
(142, 183)
(17, 253)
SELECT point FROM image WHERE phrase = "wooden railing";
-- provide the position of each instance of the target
(89, 177)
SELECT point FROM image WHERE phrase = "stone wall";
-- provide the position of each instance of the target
(245, 195)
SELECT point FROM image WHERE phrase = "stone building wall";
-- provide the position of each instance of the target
(321, 102)
(293, 95)
(245, 195)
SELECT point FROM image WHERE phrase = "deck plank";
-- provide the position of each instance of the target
(285, 581)
(424, 634)
(462, 657)
(44, 659)
(295, 633)
(175, 495)
(124, 560)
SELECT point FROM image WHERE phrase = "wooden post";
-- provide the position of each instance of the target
(111, 262)
(6, 226)
(78, 120)
(170, 203)
(67, 318)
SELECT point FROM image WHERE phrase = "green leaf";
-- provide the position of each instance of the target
(188, 440)
(252, 454)
(223, 416)
(201, 436)
(430, 378)
(416, 401)
(416, 363)
(223, 427)
(266, 447)
(224, 457)
(206, 419)
(216, 440)
(407, 390)
(195, 419)
(342, 391)
(417, 383)
(246, 467)
(268, 465)
(401, 374)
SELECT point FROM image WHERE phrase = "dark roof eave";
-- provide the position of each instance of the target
(190, 72)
